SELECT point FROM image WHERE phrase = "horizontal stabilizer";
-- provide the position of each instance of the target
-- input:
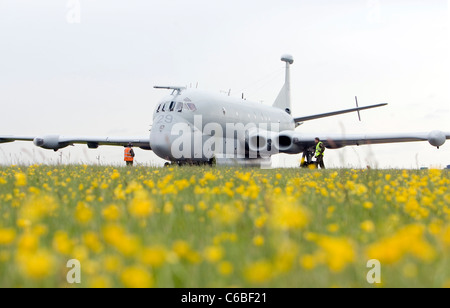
(329, 114)
(178, 89)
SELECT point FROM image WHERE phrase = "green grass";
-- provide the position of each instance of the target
(223, 227)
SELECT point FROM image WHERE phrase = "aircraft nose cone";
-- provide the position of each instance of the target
(160, 141)
(177, 139)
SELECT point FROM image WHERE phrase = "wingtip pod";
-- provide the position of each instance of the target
(49, 142)
(437, 138)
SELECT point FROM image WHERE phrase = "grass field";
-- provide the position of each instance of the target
(223, 227)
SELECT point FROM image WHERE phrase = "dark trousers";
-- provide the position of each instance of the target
(319, 162)
(129, 163)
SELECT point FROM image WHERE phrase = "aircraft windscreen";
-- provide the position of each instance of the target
(172, 106)
(192, 106)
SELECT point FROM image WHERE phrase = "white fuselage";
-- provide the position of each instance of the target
(193, 125)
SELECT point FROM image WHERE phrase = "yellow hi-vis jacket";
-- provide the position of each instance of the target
(320, 148)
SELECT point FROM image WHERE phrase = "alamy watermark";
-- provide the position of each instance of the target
(221, 140)
(74, 274)
(374, 274)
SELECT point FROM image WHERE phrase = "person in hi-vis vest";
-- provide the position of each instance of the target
(320, 148)
(129, 155)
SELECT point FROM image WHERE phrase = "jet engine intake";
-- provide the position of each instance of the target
(287, 143)
(263, 142)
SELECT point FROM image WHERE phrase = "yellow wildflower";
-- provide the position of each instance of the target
(38, 207)
(115, 175)
(189, 208)
(168, 208)
(258, 272)
(38, 265)
(213, 254)
(21, 179)
(337, 252)
(367, 226)
(7, 236)
(287, 214)
(112, 263)
(258, 240)
(136, 277)
(154, 256)
(83, 213)
(142, 205)
(28, 243)
(181, 248)
(368, 205)
(111, 212)
(92, 241)
(225, 268)
(99, 282)
(62, 243)
(408, 240)
(308, 262)
(333, 228)
(260, 221)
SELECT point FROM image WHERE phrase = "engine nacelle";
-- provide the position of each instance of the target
(286, 143)
(262, 142)
(50, 142)
(436, 138)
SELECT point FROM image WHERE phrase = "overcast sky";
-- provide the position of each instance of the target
(88, 67)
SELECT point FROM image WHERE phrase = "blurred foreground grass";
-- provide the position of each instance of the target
(223, 227)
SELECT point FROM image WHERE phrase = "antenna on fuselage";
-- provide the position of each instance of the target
(359, 115)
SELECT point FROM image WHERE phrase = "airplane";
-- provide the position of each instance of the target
(192, 126)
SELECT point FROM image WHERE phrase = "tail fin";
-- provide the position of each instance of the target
(283, 100)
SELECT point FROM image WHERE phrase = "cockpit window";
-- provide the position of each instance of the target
(159, 107)
(192, 106)
(171, 106)
(164, 107)
(179, 107)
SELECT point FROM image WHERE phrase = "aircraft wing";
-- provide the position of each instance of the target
(56, 142)
(8, 138)
(296, 142)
